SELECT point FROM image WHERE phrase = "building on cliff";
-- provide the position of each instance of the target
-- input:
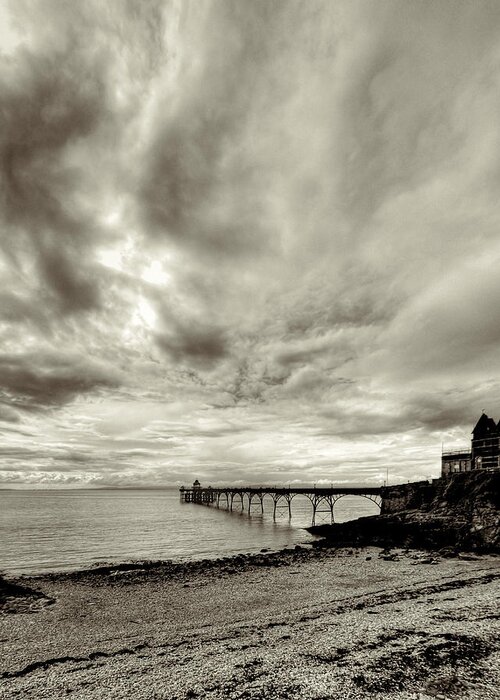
(484, 452)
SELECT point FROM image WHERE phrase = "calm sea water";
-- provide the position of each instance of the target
(44, 531)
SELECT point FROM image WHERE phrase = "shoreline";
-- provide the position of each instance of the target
(167, 564)
(296, 623)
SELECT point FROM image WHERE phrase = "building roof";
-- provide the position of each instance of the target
(485, 426)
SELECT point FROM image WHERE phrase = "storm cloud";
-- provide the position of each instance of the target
(246, 241)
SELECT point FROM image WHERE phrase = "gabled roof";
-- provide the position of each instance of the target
(484, 426)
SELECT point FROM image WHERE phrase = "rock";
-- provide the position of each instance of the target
(426, 560)
(460, 513)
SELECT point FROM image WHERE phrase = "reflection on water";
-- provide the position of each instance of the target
(49, 530)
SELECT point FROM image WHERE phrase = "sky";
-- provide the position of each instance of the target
(246, 241)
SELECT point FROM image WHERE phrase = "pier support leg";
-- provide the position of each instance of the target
(328, 503)
(288, 505)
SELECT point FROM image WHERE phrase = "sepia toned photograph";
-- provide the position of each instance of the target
(249, 349)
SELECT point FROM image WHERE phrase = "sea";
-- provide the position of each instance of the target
(64, 530)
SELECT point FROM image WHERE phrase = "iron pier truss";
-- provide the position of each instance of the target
(247, 497)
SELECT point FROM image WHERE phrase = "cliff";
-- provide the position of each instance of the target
(460, 512)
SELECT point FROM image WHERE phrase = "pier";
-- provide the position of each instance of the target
(280, 498)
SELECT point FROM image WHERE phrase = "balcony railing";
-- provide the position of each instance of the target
(452, 453)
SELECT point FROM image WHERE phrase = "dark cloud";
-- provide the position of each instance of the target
(47, 104)
(355, 298)
(199, 188)
(51, 378)
(196, 344)
(61, 121)
(452, 327)
(452, 408)
(429, 412)
(254, 381)
(189, 333)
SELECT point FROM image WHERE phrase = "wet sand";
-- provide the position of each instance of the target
(298, 624)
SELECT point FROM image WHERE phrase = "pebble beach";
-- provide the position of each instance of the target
(302, 623)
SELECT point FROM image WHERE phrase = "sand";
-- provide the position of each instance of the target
(298, 624)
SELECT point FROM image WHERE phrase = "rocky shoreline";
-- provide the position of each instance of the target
(17, 593)
(445, 533)
(458, 514)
